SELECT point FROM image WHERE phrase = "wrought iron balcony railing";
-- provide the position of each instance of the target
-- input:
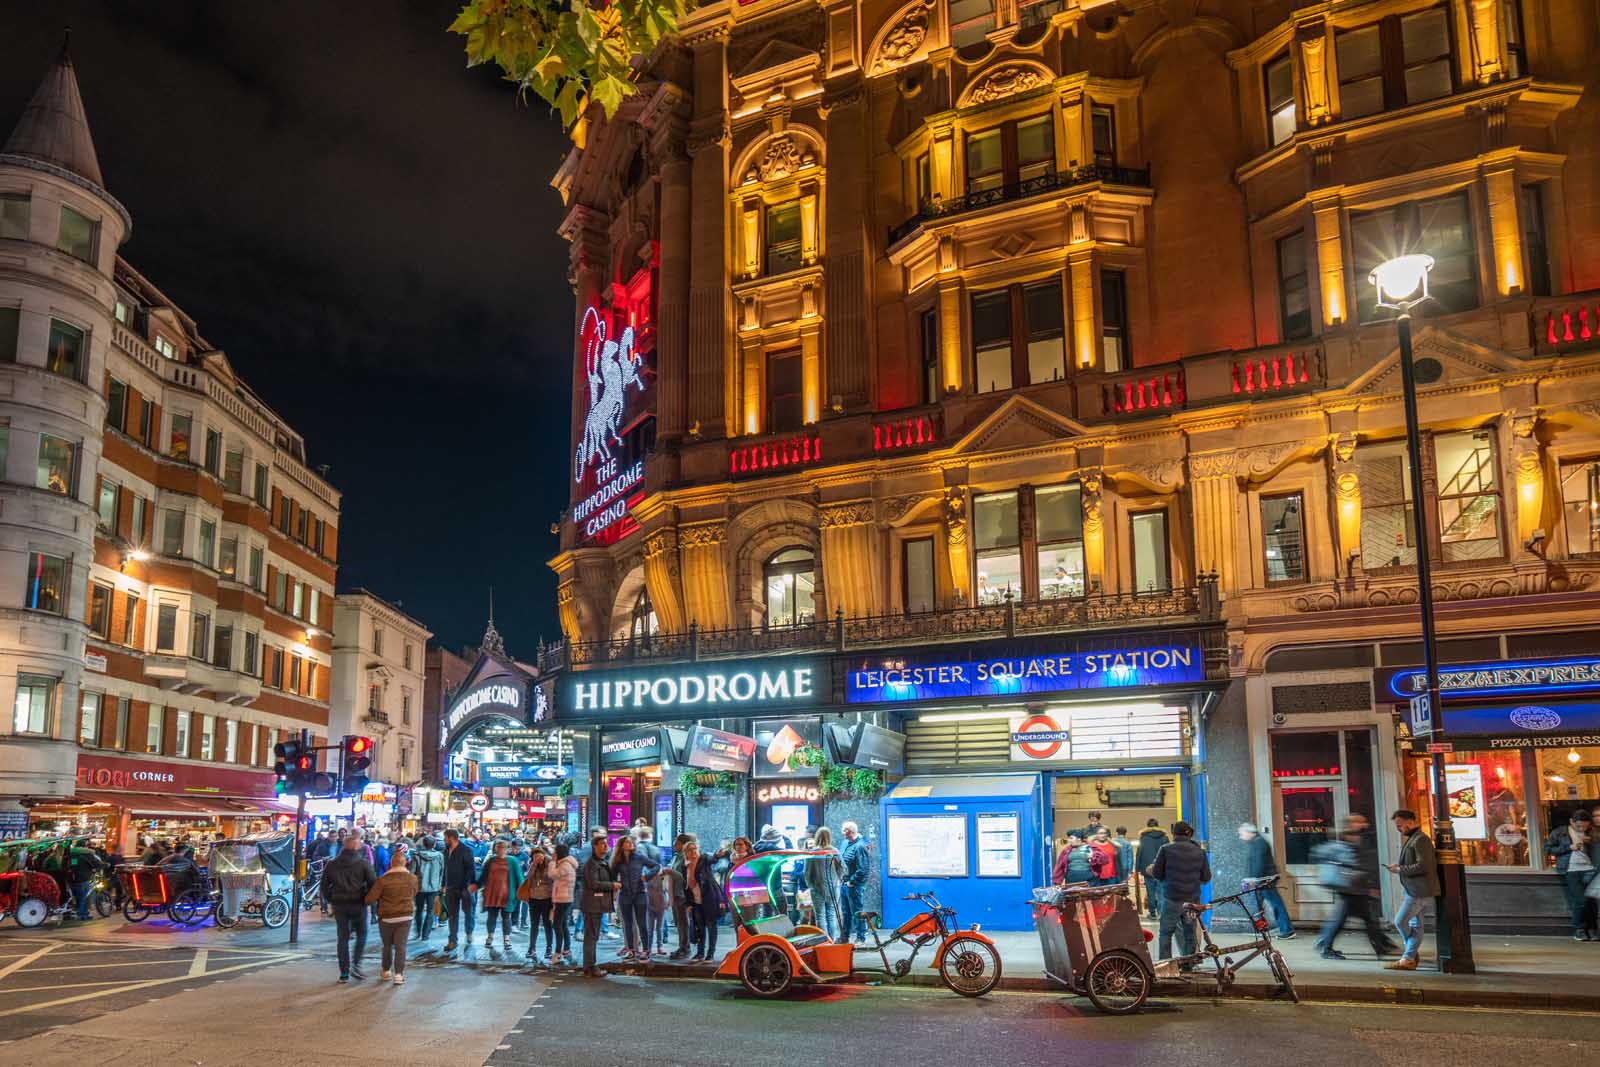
(842, 633)
(1138, 177)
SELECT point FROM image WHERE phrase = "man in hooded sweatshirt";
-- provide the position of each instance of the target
(427, 863)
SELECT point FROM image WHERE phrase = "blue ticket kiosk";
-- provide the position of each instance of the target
(976, 841)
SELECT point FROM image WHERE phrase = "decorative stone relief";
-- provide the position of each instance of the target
(1003, 81)
(1488, 51)
(1213, 464)
(955, 518)
(851, 513)
(663, 542)
(783, 157)
(901, 41)
(1314, 73)
(894, 508)
(702, 535)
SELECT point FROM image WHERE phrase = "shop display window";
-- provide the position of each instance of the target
(1488, 803)
(1569, 780)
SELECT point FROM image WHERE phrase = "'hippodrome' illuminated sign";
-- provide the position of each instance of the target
(690, 690)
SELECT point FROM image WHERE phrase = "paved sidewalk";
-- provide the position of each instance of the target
(1522, 972)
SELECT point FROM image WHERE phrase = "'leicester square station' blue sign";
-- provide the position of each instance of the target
(1014, 675)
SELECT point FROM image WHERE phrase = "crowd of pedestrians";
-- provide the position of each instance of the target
(553, 884)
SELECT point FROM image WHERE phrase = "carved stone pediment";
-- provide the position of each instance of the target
(1460, 359)
(1007, 78)
(903, 40)
(1019, 423)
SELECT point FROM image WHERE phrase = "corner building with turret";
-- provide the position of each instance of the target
(1015, 368)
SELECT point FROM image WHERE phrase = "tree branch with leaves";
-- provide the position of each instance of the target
(568, 54)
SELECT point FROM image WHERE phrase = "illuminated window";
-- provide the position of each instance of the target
(66, 355)
(122, 709)
(180, 734)
(1151, 559)
(1294, 287)
(14, 214)
(1058, 526)
(1283, 537)
(985, 162)
(182, 432)
(1280, 99)
(208, 732)
(1488, 800)
(1580, 506)
(228, 558)
(47, 583)
(970, 20)
(79, 235)
(57, 471)
(35, 704)
(165, 347)
(89, 718)
(991, 341)
(790, 581)
(1469, 496)
(642, 624)
(916, 573)
(1402, 60)
(1440, 227)
(783, 237)
(171, 532)
(997, 543)
(1010, 156)
(1103, 132)
(110, 494)
(230, 751)
(785, 391)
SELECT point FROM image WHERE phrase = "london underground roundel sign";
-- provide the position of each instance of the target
(1037, 737)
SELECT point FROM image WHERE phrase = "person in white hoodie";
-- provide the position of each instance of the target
(564, 887)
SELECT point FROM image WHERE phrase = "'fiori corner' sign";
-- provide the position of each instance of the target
(690, 690)
(903, 680)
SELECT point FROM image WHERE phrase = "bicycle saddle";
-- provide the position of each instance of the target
(867, 915)
(1197, 907)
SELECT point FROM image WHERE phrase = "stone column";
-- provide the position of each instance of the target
(1487, 41)
(1092, 482)
(1500, 190)
(955, 537)
(1080, 275)
(1330, 259)
(661, 578)
(952, 367)
(846, 284)
(702, 553)
(672, 295)
(849, 568)
(711, 403)
(1214, 491)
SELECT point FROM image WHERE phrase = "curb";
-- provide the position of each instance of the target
(1413, 996)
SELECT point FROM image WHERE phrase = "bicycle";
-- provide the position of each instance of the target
(311, 887)
(1221, 958)
(966, 960)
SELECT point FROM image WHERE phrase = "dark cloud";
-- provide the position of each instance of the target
(367, 229)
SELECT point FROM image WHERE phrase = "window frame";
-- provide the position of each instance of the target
(1133, 555)
(1298, 496)
(78, 370)
(102, 598)
(1440, 498)
(50, 687)
(1411, 221)
(1013, 172)
(1021, 335)
(790, 402)
(34, 584)
(776, 256)
(91, 255)
(1392, 61)
(1114, 331)
(1588, 469)
(906, 545)
(89, 726)
(1290, 283)
(1000, 550)
(45, 481)
(1273, 110)
(790, 571)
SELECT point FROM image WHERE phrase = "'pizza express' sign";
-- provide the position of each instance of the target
(1502, 679)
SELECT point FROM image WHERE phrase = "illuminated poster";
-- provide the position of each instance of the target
(927, 846)
(999, 854)
(1464, 784)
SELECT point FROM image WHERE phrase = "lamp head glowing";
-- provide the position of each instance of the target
(1402, 281)
(138, 555)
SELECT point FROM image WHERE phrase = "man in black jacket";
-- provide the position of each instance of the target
(345, 882)
(1182, 868)
(1150, 842)
(1259, 862)
(460, 883)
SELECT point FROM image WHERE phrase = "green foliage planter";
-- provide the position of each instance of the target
(834, 781)
(700, 783)
(837, 781)
(865, 783)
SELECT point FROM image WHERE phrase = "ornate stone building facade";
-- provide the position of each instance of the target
(983, 317)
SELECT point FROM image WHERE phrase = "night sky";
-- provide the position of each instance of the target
(366, 228)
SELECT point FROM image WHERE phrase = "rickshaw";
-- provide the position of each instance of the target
(29, 894)
(772, 952)
(255, 874)
(179, 890)
(1094, 945)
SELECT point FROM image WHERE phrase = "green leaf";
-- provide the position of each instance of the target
(609, 91)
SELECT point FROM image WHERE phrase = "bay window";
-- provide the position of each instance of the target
(1113, 321)
(166, 626)
(1279, 79)
(233, 472)
(1018, 336)
(1441, 227)
(171, 532)
(790, 581)
(928, 338)
(206, 552)
(1103, 134)
(15, 211)
(785, 391)
(1402, 60)
(1294, 287)
(222, 654)
(1010, 154)
(57, 471)
(78, 235)
(182, 432)
(200, 632)
(1028, 542)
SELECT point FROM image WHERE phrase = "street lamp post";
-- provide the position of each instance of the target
(1402, 284)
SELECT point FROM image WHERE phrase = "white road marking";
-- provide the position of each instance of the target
(120, 989)
(66, 985)
(198, 966)
(103, 966)
(23, 961)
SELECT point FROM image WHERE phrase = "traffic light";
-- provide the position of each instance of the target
(355, 756)
(296, 768)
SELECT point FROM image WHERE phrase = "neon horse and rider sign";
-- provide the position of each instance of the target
(612, 366)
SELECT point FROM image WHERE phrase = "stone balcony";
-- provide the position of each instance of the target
(184, 674)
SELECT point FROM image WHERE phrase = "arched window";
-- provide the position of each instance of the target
(643, 625)
(790, 579)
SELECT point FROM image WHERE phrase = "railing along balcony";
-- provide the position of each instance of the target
(1565, 323)
(1138, 177)
(842, 633)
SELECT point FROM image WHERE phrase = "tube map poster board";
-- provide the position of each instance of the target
(998, 855)
(1463, 783)
(928, 846)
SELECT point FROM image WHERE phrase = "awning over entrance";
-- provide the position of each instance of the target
(184, 807)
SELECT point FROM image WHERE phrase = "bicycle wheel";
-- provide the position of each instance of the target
(1281, 971)
(186, 909)
(225, 920)
(135, 912)
(275, 912)
(104, 906)
(31, 911)
(969, 966)
(1117, 983)
(765, 971)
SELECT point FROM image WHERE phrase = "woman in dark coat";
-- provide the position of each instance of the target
(703, 900)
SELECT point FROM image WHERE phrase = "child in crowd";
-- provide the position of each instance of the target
(659, 894)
